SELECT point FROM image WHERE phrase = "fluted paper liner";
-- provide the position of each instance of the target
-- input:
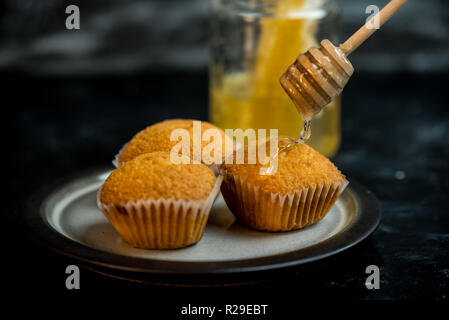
(161, 223)
(267, 211)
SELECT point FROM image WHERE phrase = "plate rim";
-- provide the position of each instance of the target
(34, 223)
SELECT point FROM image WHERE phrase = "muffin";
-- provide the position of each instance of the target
(156, 204)
(157, 138)
(301, 192)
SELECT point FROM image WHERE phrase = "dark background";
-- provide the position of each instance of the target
(70, 99)
(122, 37)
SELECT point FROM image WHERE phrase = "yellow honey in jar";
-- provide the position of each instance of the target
(247, 94)
(231, 109)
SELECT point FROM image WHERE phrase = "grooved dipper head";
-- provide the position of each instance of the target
(316, 78)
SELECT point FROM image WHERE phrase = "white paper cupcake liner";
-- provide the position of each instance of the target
(161, 223)
(268, 211)
(116, 160)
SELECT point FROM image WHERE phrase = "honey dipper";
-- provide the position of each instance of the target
(318, 76)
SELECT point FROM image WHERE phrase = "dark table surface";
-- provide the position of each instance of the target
(395, 142)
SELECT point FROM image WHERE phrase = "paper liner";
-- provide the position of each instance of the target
(116, 160)
(268, 211)
(161, 223)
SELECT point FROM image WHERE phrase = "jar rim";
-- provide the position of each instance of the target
(261, 5)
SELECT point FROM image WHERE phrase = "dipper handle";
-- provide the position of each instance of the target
(366, 31)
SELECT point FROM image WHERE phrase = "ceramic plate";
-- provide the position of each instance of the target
(68, 221)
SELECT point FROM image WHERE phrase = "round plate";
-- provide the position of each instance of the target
(68, 220)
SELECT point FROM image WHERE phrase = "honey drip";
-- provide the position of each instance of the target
(286, 143)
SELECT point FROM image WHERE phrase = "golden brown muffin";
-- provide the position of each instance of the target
(301, 192)
(154, 176)
(298, 167)
(156, 204)
(157, 138)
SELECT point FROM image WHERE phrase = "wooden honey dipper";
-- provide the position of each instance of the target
(318, 76)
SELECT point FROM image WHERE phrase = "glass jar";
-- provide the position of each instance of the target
(252, 44)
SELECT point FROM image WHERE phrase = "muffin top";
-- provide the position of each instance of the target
(299, 167)
(157, 138)
(154, 176)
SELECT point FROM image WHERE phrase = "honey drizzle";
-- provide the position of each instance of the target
(305, 134)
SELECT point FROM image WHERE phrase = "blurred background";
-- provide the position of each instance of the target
(71, 98)
(119, 37)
